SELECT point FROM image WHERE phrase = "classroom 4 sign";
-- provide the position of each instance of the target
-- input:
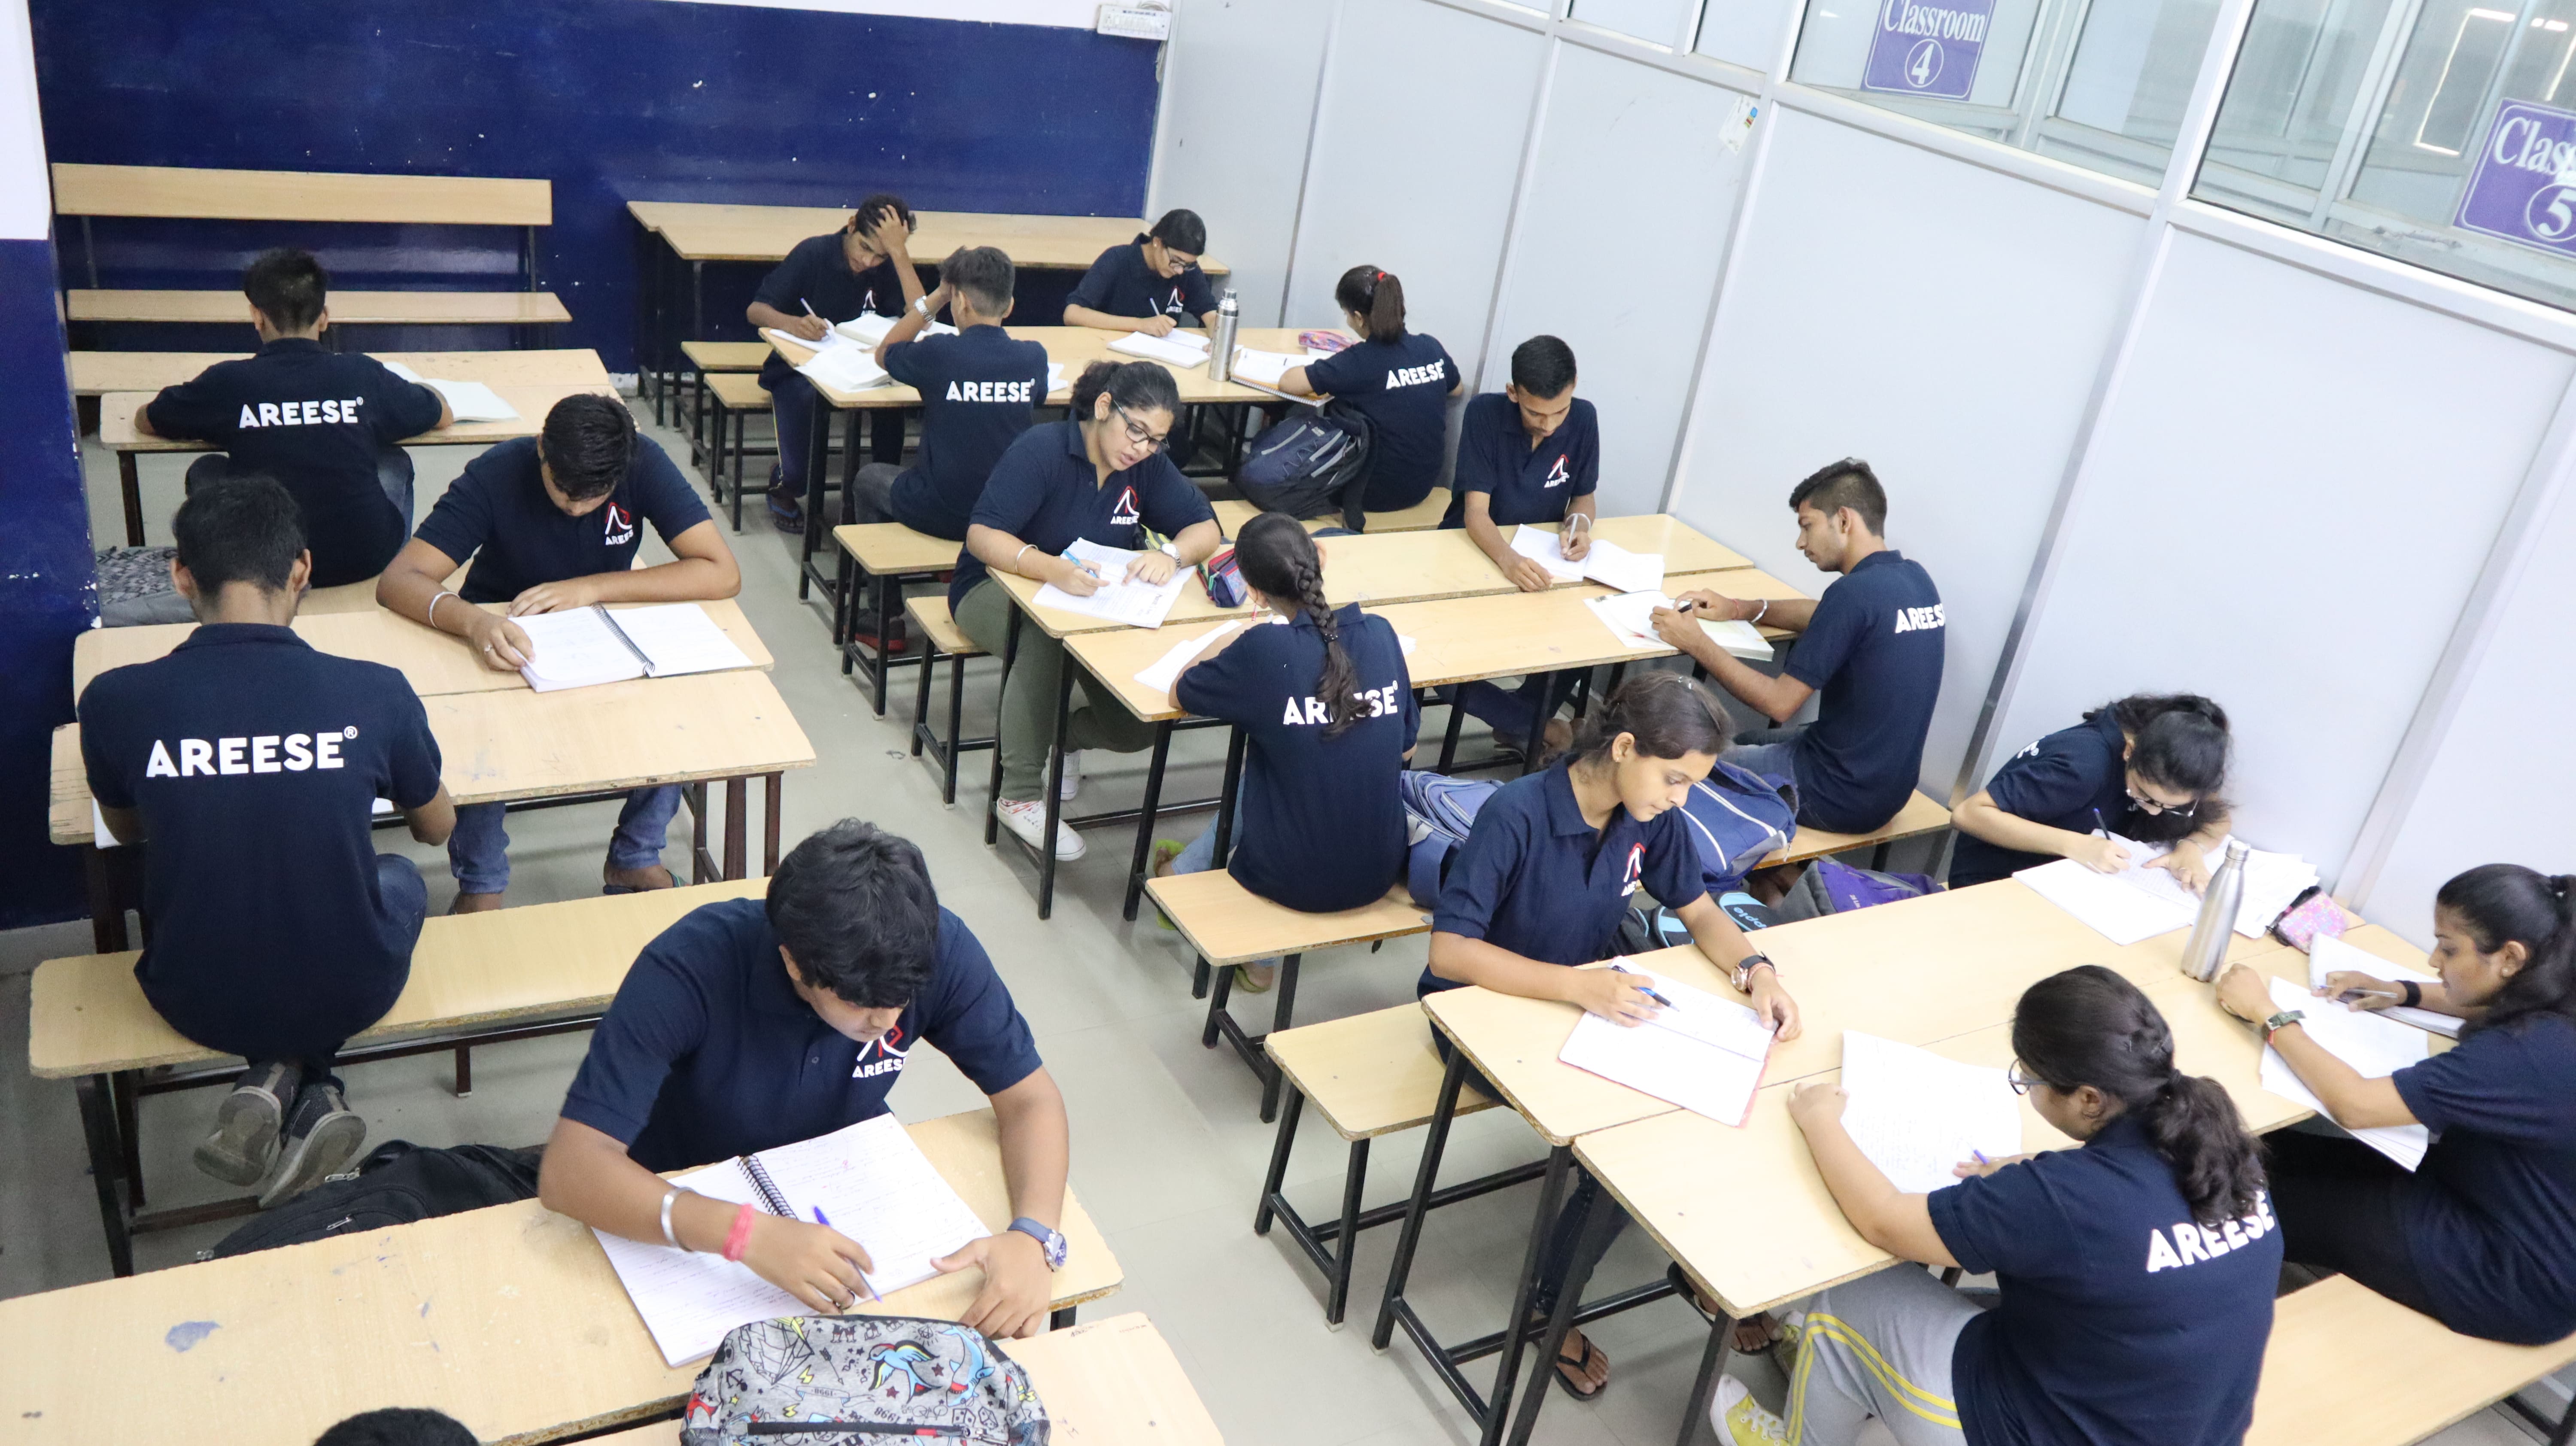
(2524, 187)
(1921, 47)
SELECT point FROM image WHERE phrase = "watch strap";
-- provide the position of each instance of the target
(1051, 1242)
(2281, 1021)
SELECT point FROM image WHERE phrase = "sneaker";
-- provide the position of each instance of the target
(1740, 1420)
(1072, 775)
(1026, 817)
(244, 1142)
(322, 1135)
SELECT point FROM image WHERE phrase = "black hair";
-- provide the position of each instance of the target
(398, 1426)
(854, 907)
(1139, 386)
(1668, 714)
(2181, 744)
(2089, 1026)
(242, 529)
(983, 275)
(1376, 297)
(1180, 230)
(2507, 903)
(588, 443)
(1278, 556)
(1847, 483)
(1543, 366)
(287, 286)
(871, 214)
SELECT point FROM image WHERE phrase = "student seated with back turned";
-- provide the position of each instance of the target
(2147, 767)
(2482, 1235)
(1102, 475)
(979, 391)
(863, 269)
(550, 522)
(1328, 712)
(1872, 645)
(1547, 873)
(1400, 380)
(754, 1023)
(2134, 1273)
(251, 763)
(1152, 284)
(323, 423)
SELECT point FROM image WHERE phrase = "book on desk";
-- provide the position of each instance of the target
(584, 647)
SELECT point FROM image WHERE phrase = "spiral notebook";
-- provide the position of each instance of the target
(583, 647)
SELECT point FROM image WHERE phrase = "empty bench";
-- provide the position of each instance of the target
(891, 554)
(942, 641)
(475, 979)
(706, 359)
(2311, 1391)
(729, 397)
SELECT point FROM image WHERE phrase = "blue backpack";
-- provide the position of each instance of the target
(1440, 811)
(1739, 818)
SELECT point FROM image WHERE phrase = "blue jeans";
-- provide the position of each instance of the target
(792, 402)
(404, 898)
(1565, 1242)
(1511, 714)
(1769, 751)
(1200, 857)
(478, 853)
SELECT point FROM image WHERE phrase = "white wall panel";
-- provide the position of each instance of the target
(1633, 158)
(1744, 31)
(1940, 320)
(2288, 498)
(1230, 140)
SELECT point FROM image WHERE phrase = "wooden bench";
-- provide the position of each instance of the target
(891, 554)
(2311, 1392)
(706, 358)
(734, 396)
(1422, 516)
(475, 979)
(1920, 816)
(942, 639)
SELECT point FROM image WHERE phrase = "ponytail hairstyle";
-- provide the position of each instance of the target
(1180, 231)
(2504, 904)
(1277, 556)
(1377, 298)
(2180, 743)
(2089, 1026)
(1667, 713)
(1140, 386)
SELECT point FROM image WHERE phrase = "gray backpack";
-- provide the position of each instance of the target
(804, 1380)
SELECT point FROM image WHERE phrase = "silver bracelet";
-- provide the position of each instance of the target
(1760, 611)
(1023, 552)
(668, 1196)
(431, 617)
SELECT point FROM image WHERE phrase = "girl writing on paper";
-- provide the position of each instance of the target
(2135, 1273)
(2147, 767)
(1400, 380)
(2482, 1236)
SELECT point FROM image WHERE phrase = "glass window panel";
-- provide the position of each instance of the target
(1746, 32)
(1660, 21)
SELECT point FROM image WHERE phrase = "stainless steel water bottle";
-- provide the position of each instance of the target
(2206, 949)
(1229, 314)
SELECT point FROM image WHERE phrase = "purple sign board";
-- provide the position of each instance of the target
(1928, 47)
(2523, 188)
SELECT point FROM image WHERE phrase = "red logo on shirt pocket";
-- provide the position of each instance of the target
(1126, 513)
(621, 526)
(1636, 869)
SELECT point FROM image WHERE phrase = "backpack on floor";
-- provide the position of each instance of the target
(1312, 464)
(1439, 811)
(1739, 818)
(902, 1375)
(397, 1183)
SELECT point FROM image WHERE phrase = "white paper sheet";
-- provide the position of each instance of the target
(1606, 563)
(1542, 547)
(1705, 1054)
(689, 1301)
(2271, 881)
(2326, 955)
(1630, 618)
(1137, 604)
(1055, 377)
(1164, 671)
(2376, 1047)
(679, 638)
(575, 648)
(1265, 367)
(1917, 1114)
(845, 368)
(2110, 908)
(869, 329)
(473, 401)
(404, 372)
(1180, 349)
(832, 340)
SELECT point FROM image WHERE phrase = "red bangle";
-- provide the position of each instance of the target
(740, 1235)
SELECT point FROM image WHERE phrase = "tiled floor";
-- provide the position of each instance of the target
(1168, 1152)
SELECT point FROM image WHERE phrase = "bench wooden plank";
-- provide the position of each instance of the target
(1370, 1074)
(726, 356)
(890, 549)
(532, 401)
(192, 193)
(96, 373)
(347, 308)
(740, 391)
(1919, 816)
(930, 617)
(1230, 924)
(1423, 516)
(2312, 1392)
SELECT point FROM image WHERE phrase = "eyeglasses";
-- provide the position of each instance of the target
(1139, 432)
(2021, 1079)
(2149, 805)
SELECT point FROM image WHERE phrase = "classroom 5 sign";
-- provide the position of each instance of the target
(2524, 186)
(1925, 48)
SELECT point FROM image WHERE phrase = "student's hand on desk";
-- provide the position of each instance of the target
(2188, 865)
(1714, 606)
(817, 1265)
(2245, 993)
(1152, 568)
(1773, 1006)
(1617, 997)
(809, 327)
(503, 645)
(1575, 541)
(1157, 325)
(1817, 1103)
(2365, 992)
(1077, 578)
(1017, 1284)
(2099, 854)
(555, 597)
(1677, 629)
(1969, 1169)
(1527, 574)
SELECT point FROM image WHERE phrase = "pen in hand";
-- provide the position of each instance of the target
(1647, 990)
(826, 1222)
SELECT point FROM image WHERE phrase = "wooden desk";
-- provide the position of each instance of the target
(95, 373)
(697, 231)
(192, 194)
(348, 308)
(509, 1319)
(1234, 512)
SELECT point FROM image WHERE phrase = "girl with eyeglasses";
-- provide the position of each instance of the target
(2147, 767)
(2482, 1235)
(1400, 380)
(2134, 1273)
(1102, 475)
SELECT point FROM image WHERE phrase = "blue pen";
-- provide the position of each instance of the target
(2098, 824)
(1649, 991)
(826, 1222)
(1981, 1157)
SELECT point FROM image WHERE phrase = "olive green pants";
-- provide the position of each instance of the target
(1028, 699)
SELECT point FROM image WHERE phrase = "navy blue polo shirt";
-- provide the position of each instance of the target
(709, 1051)
(1402, 387)
(2121, 1323)
(817, 273)
(2491, 1213)
(314, 420)
(1873, 650)
(1522, 483)
(1046, 493)
(2075, 779)
(1121, 284)
(979, 391)
(254, 760)
(497, 512)
(1535, 878)
(1322, 826)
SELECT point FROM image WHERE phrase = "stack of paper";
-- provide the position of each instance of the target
(1631, 618)
(869, 328)
(2328, 955)
(468, 401)
(2376, 1047)
(1180, 349)
(1917, 1114)
(1705, 1053)
(2112, 903)
(1137, 604)
(1164, 671)
(1265, 367)
(1606, 563)
(582, 647)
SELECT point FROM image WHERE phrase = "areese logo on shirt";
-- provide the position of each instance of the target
(331, 412)
(1021, 392)
(1560, 474)
(1416, 376)
(255, 753)
(620, 528)
(1125, 512)
(1636, 872)
(883, 1055)
(1175, 306)
(1310, 710)
(1915, 620)
(2192, 1244)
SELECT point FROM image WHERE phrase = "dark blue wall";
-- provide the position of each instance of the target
(612, 100)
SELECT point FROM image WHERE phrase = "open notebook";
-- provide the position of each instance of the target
(1606, 563)
(1137, 604)
(1705, 1052)
(1180, 348)
(581, 647)
(469, 401)
(1630, 617)
(1917, 1114)
(2139, 902)
(870, 1180)
(2327, 955)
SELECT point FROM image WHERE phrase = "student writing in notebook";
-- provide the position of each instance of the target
(251, 763)
(2147, 767)
(863, 269)
(2134, 1273)
(553, 522)
(2482, 1235)
(1328, 715)
(1551, 866)
(752, 1024)
(1400, 380)
(1152, 284)
(979, 391)
(1872, 648)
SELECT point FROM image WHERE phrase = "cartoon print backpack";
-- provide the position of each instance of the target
(925, 1377)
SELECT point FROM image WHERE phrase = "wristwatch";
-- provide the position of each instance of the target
(1744, 971)
(1048, 1241)
(922, 305)
(2281, 1021)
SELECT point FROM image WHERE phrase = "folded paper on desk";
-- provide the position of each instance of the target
(582, 647)
(2139, 902)
(1164, 671)
(2326, 955)
(468, 401)
(1137, 604)
(1631, 618)
(1706, 1053)
(1917, 1114)
(1180, 349)
(2376, 1047)
(870, 1180)
(1606, 563)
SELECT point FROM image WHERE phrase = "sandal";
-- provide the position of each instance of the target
(1244, 983)
(1763, 1322)
(785, 514)
(1581, 1370)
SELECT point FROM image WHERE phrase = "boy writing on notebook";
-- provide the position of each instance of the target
(551, 522)
(863, 269)
(753, 1023)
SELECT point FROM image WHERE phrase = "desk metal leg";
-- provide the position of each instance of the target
(736, 825)
(1599, 1218)
(1138, 865)
(818, 444)
(98, 1130)
(1712, 1361)
(1443, 1110)
(1551, 1200)
(695, 795)
(1537, 740)
(772, 785)
(106, 902)
(697, 300)
(131, 484)
(993, 794)
(1449, 740)
(1062, 1319)
(1054, 782)
(125, 1091)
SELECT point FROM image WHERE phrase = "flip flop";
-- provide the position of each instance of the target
(785, 515)
(1591, 1353)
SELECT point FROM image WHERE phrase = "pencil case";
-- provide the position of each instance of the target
(2311, 916)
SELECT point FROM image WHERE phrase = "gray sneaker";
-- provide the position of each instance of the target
(244, 1142)
(322, 1135)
